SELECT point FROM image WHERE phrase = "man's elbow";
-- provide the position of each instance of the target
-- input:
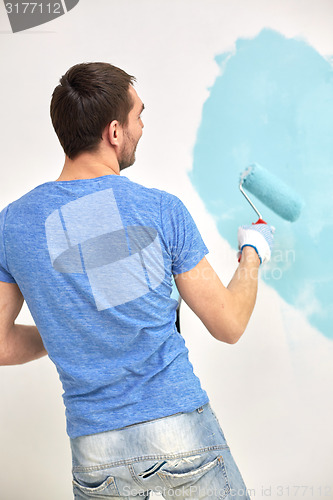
(226, 328)
(3, 356)
(229, 335)
(234, 339)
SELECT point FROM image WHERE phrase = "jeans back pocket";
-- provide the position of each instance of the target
(208, 480)
(91, 484)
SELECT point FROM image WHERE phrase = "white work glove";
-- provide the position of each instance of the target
(258, 236)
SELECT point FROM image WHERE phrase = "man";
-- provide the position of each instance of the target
(94, 254)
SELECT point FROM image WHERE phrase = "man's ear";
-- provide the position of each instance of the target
(114, 132)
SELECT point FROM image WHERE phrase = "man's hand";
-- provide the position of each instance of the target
(258, 236)
(18, 343)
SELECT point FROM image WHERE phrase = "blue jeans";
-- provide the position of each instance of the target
(181, 456)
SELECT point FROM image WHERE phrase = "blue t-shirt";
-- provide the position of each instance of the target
(94, 260)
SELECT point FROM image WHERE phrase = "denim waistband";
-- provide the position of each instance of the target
(181, 434)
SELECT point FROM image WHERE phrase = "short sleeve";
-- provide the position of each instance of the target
(185, 244)
(4, 273)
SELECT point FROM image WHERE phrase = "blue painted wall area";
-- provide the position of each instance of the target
(273, 104)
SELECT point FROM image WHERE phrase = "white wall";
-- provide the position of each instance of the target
(271, 391)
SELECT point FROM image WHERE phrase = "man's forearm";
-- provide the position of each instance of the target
(22, 344)
(244, 286)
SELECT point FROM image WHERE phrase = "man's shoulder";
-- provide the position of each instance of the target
(45, 194)
(22, 201)
(160, 194)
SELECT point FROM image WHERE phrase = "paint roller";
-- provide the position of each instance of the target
(271, 191)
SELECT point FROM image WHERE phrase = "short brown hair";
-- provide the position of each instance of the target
(89, 96)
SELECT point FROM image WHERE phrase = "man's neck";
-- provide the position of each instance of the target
(88, 166)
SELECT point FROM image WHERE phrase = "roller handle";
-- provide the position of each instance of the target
(260, 220)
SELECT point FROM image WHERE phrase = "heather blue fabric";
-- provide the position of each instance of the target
(94, 260)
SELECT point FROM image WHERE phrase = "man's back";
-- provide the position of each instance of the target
(94, 259)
